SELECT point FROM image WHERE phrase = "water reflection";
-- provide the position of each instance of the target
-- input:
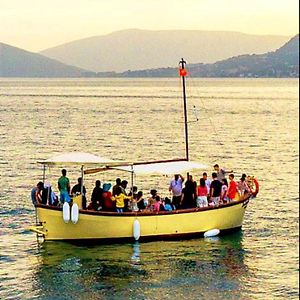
(209, 267)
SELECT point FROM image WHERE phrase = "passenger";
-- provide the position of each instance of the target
(207, 182)
(151, 200)
(76, 190)
(188, 195)
(108, 204)
(195, 187)
(243, 187)
(134, 189)
(176, 189)
(215, 190)
(202, 194)
(133, 204)
(168, 205)
(158, 206)
(220, 172)
(232, 189)
(224, 190)
(64, 187)
(49, 196)
(36, 193)
(120, 200)
(124, 186)
(97, 200)
(140, 201)
(115, 187)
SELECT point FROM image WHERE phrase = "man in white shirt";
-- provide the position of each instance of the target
(207, 181)
(176, 189)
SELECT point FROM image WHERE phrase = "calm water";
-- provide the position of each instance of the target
(250, 125)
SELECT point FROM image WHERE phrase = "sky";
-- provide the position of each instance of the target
(35, 25)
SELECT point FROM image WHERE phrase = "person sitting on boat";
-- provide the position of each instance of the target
(220, 172)
(64, 187)
(151, 200)
(232, 189)
(120, 200)
(108, 204)
(140, 201)
(168, 206)
(224, 189)
(215, 190)
(158, 205)
(188, 195)
(133, 192)
(202, 194)
(115, 187)
(132, 205)
(36, 193)
(76, 190)
(96, 199)
(176, 189)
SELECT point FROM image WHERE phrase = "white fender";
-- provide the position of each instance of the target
(212, 232)
(74, 213)
(66, 212)
(136, 229)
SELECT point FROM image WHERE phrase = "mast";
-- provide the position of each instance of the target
(183, 73)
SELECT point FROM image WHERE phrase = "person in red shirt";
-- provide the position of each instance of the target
(232, 189)
(202, 194)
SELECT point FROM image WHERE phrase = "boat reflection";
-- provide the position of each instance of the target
(143, 268)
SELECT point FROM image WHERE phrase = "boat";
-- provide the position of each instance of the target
(82, 225)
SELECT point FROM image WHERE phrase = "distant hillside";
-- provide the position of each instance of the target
(141, 49)
(283, 62)
(15, 62)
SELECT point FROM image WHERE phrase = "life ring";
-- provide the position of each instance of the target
(253, 185)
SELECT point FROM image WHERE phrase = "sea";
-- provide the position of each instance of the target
(248, 125)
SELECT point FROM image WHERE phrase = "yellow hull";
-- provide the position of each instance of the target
(112, 226)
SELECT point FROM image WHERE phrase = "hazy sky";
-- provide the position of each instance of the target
(38, 24)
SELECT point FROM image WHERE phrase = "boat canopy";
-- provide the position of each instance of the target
(79, 158)
(167, 167)
(154, 167)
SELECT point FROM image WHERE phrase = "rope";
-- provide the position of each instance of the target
(205, 110)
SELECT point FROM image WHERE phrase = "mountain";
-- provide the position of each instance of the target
(135, 49)
(283, 62)
(15, 62)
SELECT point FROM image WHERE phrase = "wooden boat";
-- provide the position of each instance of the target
(102, 226)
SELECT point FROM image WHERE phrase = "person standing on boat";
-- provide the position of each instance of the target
(116, 186)
(97, 200)
(176, 189)
(188, 195)
(220, 172)
(232, 189)
(215, 189)
(207, 182)
(76, 190)
(108, 204)
(64, 187)
(202, 194)
(120, 200)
